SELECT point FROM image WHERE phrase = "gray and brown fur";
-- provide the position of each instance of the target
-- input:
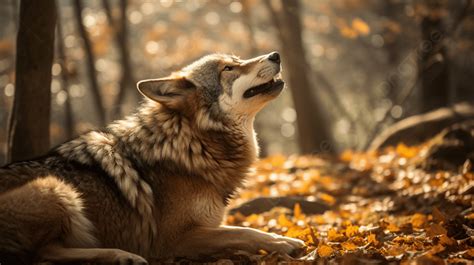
(153, 185)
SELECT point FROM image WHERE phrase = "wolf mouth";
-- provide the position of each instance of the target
(270, 86)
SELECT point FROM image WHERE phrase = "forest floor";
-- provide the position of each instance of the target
(361, 208)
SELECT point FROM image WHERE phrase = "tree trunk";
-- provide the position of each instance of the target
(433, 62)
(28, 132)
(68, 115)
(90, 60)
(314, 134)
(392, 10)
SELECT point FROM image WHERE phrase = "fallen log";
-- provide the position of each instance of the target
(263, 204)
(420, 128)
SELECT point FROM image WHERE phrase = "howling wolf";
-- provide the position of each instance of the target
(153, 185)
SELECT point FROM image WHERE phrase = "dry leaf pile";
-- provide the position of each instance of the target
(383, 208)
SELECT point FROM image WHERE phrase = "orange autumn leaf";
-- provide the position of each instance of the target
(405, 151)
(296, 232)
(345, 223)
(319, 219)
(349, 246)
(372, 239)
(284, 221)
(334, 235)
(358, 240)
(297, 211)
(394, 250)
(327, 198)
(352, 230)
(470, 216)
(393, 228)
(418, 220)
(276, 160)
(360, 26)
(348, 32)
(325, 251)
(435, 183)
(347, 155)
(306, 234)
(253, 218)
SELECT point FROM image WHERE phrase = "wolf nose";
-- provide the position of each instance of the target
(274, 57)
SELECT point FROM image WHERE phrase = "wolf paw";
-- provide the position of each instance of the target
(283, 244)
(127, 258)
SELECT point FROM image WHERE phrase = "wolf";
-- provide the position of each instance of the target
(153, 185)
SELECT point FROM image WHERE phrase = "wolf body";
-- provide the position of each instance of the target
(153, 185)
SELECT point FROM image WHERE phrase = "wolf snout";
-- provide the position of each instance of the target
(274, 57)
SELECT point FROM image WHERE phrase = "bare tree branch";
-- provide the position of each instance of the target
(127, 82)
(90, 60)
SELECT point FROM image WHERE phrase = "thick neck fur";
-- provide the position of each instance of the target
(219, 152)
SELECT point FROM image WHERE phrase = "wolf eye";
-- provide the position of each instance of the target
(228, 68)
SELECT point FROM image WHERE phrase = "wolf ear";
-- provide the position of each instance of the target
(169, 91)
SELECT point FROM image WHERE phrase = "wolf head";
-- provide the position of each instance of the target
(218, 86)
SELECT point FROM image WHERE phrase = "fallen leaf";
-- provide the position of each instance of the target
(327, 198)
(405, 151)
(438, 215)
(325, 251)
(372, 239)
(335, 236)
(393, 228)
(418, 220)
(394, 251)
(352, 230)
(252, 218)
(435, 230)
(347, 155)
(297, 211)
(360, 26)
(446, 241)
(283, 221)
(470, 216)
(349, 246)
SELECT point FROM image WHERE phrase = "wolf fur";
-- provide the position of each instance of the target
(153, 185)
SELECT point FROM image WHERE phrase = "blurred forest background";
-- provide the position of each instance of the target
(354, 66)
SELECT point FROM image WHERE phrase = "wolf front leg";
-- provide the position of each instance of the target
(57, 253)
(209, 240)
